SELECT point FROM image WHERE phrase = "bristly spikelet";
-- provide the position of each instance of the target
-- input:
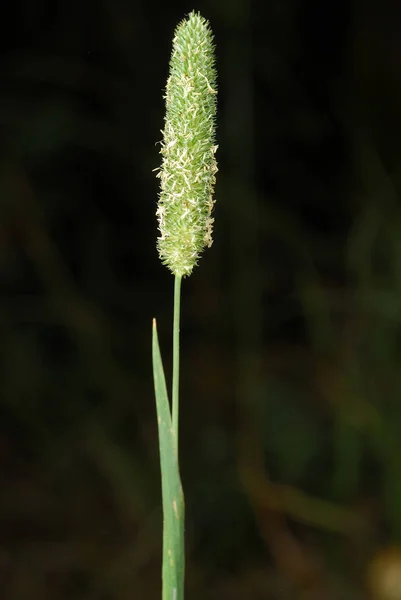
(189, 166)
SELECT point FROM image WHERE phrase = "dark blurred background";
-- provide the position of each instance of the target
(291, 346)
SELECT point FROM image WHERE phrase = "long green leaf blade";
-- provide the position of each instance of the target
(172, 492)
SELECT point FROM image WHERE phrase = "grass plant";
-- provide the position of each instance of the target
(184, 213)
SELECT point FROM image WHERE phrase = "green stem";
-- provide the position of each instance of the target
(176, 356)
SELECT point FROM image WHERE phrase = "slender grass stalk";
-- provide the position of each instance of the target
(172, 494)
(187, 178)
(176, 356)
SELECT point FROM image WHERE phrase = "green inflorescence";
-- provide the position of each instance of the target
(188, 148)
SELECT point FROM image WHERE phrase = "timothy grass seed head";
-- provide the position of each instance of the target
(188, 148)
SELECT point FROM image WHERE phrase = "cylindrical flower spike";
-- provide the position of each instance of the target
(188, 148)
